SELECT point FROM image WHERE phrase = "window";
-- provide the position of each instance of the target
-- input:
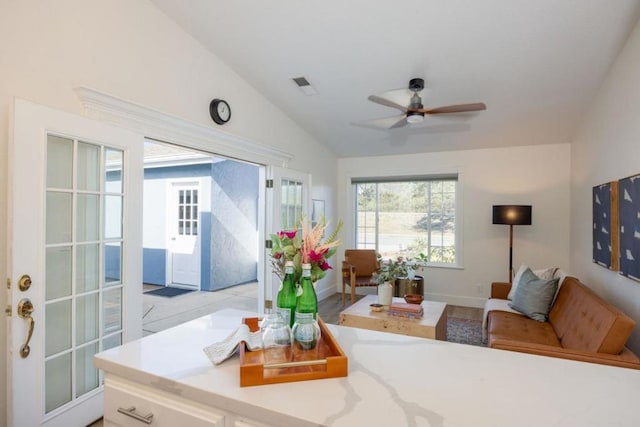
(408, 217)
(188, 212)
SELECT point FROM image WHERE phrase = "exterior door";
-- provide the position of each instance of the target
(185, 234)
(75, 257)
(290, 199)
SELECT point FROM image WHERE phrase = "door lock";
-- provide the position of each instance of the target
(24, 282)
(25, 308)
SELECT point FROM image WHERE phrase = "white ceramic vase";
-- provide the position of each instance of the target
(385, 293)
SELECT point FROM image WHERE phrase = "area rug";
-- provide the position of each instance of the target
(464, 331)
(168, 292)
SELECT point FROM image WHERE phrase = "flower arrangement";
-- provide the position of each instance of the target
(307, 248)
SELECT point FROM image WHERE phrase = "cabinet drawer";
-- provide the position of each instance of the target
(153, 408)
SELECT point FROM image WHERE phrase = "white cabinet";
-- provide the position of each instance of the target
(128, 404)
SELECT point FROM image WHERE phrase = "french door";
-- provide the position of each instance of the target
(289, 201)
(75, 260)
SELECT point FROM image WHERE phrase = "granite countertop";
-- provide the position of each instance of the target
(393, 380)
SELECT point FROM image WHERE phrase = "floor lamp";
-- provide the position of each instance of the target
(511, 215)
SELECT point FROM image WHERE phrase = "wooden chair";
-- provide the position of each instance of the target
(357, 270)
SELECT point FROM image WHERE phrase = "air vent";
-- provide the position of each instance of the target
(301, 81)
(305, 86)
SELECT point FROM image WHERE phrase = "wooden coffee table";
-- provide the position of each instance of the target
(432, 325)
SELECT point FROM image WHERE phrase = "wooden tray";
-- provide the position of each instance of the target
(327, 360)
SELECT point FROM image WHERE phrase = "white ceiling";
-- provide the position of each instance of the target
(535, 64)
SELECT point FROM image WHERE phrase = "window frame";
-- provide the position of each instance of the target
(459, 211)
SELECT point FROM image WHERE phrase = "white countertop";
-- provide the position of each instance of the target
(393, 380)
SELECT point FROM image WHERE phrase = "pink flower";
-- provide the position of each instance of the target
(288, 234)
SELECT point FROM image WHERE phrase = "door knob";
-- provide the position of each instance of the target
(25, 308)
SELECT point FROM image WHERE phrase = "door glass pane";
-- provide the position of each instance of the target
(57, 381)
(111, 341)
(57, 327)
(88, 167)
(59, 217)
(86, 373)
(112, 264)
(87, 214)
(291, 203)
(86, 318)
(113, 217)
(58, 272)
(59, 162)
(113, 170)
(86, 268)
(112, 301)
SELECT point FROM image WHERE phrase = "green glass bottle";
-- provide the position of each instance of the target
(307, 300)
(287, 295)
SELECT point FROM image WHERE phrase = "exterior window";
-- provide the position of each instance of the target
(188, 212)
(414, 218)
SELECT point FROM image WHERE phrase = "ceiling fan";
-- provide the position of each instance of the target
(415, 111)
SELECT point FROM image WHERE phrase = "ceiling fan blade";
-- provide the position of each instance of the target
(381, 124)
(400, 123)
(461, 108)
(387, 103)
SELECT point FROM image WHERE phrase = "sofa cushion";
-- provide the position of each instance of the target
(584, 321)
(534, 296)
(516, 327)
(543, 273)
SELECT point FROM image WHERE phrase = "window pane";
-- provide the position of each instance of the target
(86, 318)
(113, 170)
(88, 167)
(57, 327)
(86, 373)
(57, 373)
(88, 217)
(112, 310)
(112, 264)
(112, 217)
(58, 272)
(59, 207)
(86, 268)
(407, 219)
(59, 162)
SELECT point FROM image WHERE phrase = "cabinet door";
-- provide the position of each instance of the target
(127, 404)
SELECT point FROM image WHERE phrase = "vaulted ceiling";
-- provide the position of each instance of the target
(535, 64)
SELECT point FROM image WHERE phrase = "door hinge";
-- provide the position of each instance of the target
(7, 310)
(268, 244)
(269, 183)
(8, 283)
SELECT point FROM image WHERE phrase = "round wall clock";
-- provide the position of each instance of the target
(220, 111)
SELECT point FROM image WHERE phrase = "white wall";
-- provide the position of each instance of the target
(535, 175)
(607, 148)
(129, 49)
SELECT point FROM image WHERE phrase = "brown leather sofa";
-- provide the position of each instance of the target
(581, 326)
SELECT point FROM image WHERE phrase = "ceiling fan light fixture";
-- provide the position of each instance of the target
(414, 118)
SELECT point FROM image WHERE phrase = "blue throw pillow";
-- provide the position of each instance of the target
(533, 296)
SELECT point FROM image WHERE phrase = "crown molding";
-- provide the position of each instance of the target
(165, 127)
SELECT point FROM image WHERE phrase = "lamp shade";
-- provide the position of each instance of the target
(512, 214)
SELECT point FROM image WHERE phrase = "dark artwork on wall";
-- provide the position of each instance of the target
(629, 205)
(605, 225)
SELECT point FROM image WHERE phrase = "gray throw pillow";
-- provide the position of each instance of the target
(533, 296)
